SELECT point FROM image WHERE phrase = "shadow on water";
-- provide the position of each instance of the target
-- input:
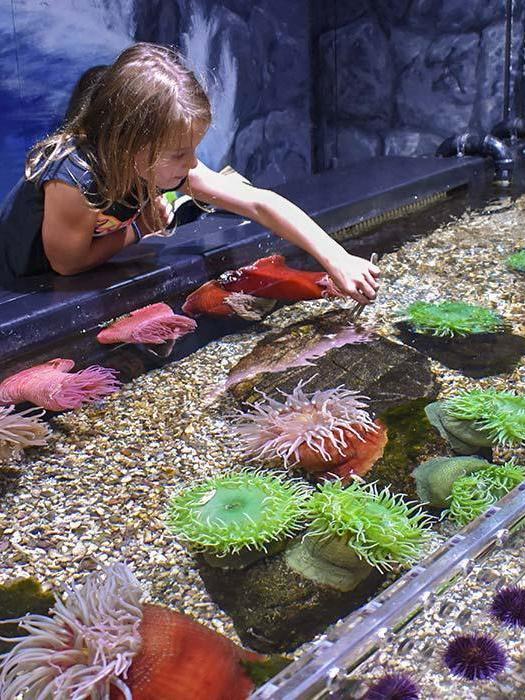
(477, 355)
(131, 360)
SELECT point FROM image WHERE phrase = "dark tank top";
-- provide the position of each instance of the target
(22, 213)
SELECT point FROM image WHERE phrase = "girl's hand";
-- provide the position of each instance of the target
(355, 277)
(164, 210)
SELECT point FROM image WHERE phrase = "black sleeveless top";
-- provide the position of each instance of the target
(22, 213)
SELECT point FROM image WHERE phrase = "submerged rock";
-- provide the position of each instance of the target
(388, 373)
(476, 355)
(298, 345)
(17, 599)
(411, 440)
(275, 609)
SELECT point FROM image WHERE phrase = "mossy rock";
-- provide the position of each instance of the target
(435, 478)
(276, 609)
(17, 599)
(516, 261)
(411, 440)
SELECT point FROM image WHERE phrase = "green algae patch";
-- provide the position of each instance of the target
(17, 599)
(516, 261)
(452, 318)
(411, 440)
(262, 671)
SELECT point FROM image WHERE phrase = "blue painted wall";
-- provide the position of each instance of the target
(296, 86)
(252, 57)
(44, 47)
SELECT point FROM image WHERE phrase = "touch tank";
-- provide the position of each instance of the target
(104, 489)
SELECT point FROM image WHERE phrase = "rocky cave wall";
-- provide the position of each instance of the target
(399, 76)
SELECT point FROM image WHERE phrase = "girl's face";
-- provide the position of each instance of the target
(173, 164)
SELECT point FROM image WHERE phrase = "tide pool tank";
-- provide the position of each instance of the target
(22, 212)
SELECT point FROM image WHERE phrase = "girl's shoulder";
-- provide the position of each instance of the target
(71, 167)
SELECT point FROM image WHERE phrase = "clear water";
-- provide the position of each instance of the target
(98, 492)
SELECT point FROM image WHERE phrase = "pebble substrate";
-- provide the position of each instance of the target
(98, 492)
(464, 608)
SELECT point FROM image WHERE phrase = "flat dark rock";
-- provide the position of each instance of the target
(275, 609)
(476, 355)
(388, 373)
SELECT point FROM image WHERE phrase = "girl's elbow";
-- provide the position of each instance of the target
(265, 202)
(64, 269)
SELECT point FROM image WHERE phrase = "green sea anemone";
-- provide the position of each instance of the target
(516, 261)
(500, 415)
(471, 495)
(238, 513)
(380, 527)
(436, 477)
(452, 318)
(463, 437)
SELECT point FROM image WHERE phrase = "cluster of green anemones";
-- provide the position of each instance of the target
(452, 318)
(435, 477)
(516, 261)
(472, 495)
(498, 414)
(380, 527)
(240, 511)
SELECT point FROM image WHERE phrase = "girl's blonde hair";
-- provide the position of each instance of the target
(147, 99)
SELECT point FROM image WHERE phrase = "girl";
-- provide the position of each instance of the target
(94, 186)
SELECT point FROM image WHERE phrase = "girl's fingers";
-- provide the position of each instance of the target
(358, 296)
(367, 290)
(371, 281)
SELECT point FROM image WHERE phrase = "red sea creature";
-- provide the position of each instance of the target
(268, 278)
(102, 642)
(213, 300)
(153, 324)
(52, 386)
(180, 659)
(272, 278)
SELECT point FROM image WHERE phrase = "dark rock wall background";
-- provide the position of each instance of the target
(296, 86)
(398, 76)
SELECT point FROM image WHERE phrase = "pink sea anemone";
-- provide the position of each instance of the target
(83, 648)
(153, 324)
(315, 431)
(21, 430)
(52, 386)
(103, 643)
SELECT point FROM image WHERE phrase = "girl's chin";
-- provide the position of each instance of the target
(170, 184)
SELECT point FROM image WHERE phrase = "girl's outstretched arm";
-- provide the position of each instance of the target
(352, 275)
